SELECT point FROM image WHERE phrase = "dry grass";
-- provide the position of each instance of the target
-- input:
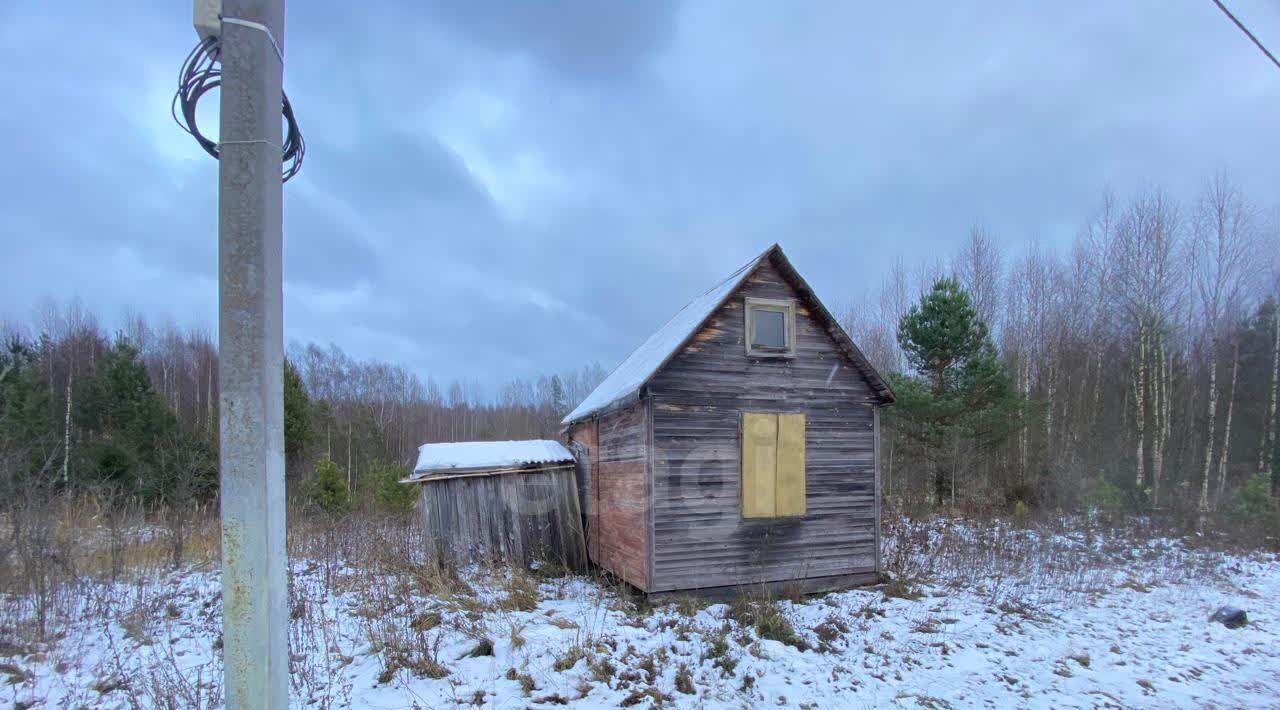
(832, 629)
(767, 618)
(684, 680)
(569, 658)
(97, 570)
(689, 605)
(640, 695)
(521, 592)
(1062, 560)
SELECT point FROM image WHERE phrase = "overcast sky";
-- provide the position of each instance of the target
(499, 189)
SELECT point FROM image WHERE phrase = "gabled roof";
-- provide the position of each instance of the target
(474, 456)
(625, 382)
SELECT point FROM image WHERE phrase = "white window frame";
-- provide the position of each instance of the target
(786, 306)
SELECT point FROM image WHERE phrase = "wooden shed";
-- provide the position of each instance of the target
(493, 501)
(738, 445)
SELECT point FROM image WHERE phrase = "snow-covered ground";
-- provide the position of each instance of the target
(1071, 621)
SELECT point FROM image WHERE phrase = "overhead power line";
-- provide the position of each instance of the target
(1247, 33)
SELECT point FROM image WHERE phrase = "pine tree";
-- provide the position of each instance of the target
(329, 491)
(297, 415)
(124, 418)
(382, 489)
(28, 431)
(961, 391)
(559, 403)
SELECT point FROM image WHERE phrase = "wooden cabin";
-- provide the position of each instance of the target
(738, 445)
(500, 501)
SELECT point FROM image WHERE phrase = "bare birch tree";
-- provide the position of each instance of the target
(1149, 286)
(1222, 246)
(978, 266)
(1226, 428)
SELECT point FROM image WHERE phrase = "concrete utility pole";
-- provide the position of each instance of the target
(255, 617)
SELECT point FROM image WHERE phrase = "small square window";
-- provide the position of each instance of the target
(770, 330)
(771, 327)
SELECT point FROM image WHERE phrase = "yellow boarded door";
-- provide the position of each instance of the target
(772, 465)
(789, 490)
(759, 464)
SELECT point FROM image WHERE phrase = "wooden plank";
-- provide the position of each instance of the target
(759, 464)
(790, 495)
(586, 434)
(876, 473)
(813, 585)
(648, 493)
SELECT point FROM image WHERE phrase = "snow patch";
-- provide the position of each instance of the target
(436, 458)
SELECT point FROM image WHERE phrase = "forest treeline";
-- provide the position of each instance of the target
(1135, 369)
(132, 415)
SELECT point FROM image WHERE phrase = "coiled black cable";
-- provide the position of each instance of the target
(199, 75)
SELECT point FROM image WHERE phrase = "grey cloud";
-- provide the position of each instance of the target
(390, 169)
(580, 39)
(321, 253)
(501, 189)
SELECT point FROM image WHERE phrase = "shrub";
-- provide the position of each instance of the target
(382, 489)
(1105, 497)
(1253, 501)
(1021, 514)
(1253, 508)
(328, 491)
(483, 647)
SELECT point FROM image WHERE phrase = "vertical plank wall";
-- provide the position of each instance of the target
(699, 536)
(617, 497)
(524, 517)
(584, 433)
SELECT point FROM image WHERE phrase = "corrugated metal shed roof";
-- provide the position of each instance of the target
(481, 455)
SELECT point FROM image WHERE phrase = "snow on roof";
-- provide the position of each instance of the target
(472, 455)
(627, 379)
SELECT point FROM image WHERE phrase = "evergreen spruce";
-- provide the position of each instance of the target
(124, 420)
(328, 490)
(27, 426)
(298, 432)
(961, 392)
(383, 490)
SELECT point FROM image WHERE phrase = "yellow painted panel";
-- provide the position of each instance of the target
(790, 486)
(759, 464)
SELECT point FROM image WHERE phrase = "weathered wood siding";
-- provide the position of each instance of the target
(617, 499)
(700, 538)
(584, 434)
(520, 517)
